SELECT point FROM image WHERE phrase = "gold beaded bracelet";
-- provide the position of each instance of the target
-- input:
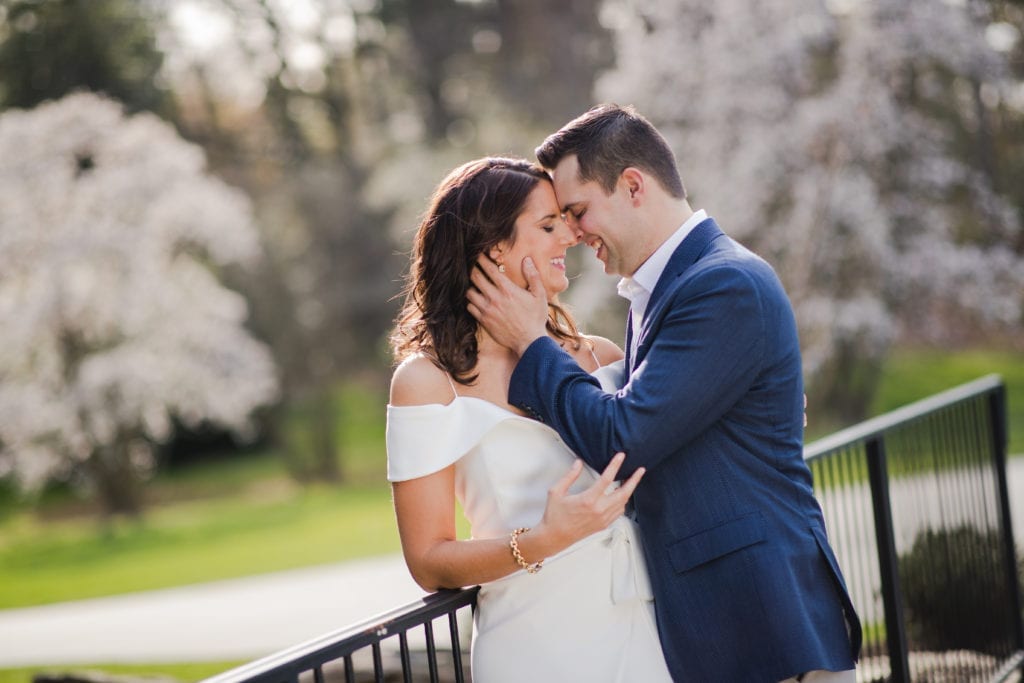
(513, 544)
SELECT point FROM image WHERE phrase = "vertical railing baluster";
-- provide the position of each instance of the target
(403, 651)
(453, 630)
(981, 501)
(378, 663)
(892, 598)
(428, 629)
(957, 554)
(852, 468)
(350, 673)
(855, 468)
(997, 416)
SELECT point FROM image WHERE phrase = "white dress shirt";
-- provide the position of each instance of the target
(638, 288)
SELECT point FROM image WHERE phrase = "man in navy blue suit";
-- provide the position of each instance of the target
(746, 585)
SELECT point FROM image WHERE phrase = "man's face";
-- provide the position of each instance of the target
(602, 220)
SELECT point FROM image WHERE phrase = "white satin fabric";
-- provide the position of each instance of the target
(588, 614)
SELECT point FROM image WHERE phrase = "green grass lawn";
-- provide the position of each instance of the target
(264, 528)
(912, 374)
(213, 520)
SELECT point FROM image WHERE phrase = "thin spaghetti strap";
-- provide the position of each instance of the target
(594, 355)
(452, 384)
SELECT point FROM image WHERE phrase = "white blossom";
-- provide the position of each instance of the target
(794, 125)
(112, 319)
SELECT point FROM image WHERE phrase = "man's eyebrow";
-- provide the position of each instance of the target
(571, 205)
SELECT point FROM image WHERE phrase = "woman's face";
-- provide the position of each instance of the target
(541, 234)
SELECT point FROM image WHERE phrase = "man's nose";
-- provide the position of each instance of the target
(573, 228)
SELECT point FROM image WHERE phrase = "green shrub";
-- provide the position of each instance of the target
(955, 592)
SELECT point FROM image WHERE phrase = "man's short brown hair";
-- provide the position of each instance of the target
(608, 139)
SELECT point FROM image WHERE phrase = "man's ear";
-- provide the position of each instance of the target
(633, 182)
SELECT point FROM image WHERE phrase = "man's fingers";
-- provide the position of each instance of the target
(561, 487)
(533, 281)
(480, 279)
(487, 270)
(476, 297)
(476, 303)
(487, 265)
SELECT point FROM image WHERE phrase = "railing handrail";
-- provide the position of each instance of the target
(340, 642)
(873, 427)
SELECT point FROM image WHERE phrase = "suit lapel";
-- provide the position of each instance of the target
(686, 254)
(629, 339)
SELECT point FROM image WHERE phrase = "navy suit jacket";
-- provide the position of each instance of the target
(746, 585)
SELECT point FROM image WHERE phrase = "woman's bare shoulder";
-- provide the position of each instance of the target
(417, 381)
(606, 350)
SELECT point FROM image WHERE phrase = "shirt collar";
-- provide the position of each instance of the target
(646, 276)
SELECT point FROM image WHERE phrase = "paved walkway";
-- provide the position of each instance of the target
(240, 619)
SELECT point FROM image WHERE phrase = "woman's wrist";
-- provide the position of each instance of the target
(517, 553)
(542, 541)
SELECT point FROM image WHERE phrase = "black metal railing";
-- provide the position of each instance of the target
(917, 511)
(917, 508)
(375, 649)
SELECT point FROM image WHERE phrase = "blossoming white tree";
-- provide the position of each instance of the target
(823, 135)
(112, 320)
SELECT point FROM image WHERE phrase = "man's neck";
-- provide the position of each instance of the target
(665, 220)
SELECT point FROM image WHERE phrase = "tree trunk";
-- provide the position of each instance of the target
(842, 392)
(325, 442)
(118, 486)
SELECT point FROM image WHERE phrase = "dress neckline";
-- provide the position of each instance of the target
(460, 397)
(504, 413)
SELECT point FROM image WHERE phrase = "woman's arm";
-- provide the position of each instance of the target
(425, 508)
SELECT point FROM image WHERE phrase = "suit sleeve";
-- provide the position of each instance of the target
(707, 349)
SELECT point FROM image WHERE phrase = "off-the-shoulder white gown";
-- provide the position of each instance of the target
(587, 615)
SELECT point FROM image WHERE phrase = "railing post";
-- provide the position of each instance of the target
(997, 414)
(892, 598)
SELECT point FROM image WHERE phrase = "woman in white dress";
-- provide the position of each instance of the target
(564, 592)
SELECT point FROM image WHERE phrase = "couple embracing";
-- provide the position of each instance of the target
(637, 515)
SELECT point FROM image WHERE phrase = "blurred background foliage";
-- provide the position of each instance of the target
(336, 118)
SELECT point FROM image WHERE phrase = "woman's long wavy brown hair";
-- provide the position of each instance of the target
(472, 210)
